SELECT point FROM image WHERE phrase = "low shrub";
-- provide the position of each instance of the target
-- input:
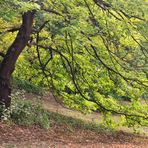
(25, 112)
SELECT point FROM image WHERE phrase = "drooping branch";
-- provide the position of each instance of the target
(107, 7)
(72, 73)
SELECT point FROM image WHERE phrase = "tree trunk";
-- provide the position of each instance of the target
(8, 64)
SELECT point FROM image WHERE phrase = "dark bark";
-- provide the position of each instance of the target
(8, 64)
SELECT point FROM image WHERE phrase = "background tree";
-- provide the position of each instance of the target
(91, 52)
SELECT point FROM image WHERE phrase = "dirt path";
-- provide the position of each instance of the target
(54, 144)
(61, 137)
(50, 104)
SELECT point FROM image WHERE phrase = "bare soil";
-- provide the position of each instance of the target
(62, 137)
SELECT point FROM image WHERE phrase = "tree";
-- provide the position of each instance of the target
(90, 51)
(8, 63)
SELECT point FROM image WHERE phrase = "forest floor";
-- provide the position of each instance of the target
(63, 135)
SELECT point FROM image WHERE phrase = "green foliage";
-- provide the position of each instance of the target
(109, 122)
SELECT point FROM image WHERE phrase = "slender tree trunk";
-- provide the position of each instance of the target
(8, 64)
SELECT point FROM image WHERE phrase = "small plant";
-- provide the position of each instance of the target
(1, 111)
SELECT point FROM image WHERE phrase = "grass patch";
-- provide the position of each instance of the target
(58, 119)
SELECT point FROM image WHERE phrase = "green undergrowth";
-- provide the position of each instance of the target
(24, 112)
(27, 86)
